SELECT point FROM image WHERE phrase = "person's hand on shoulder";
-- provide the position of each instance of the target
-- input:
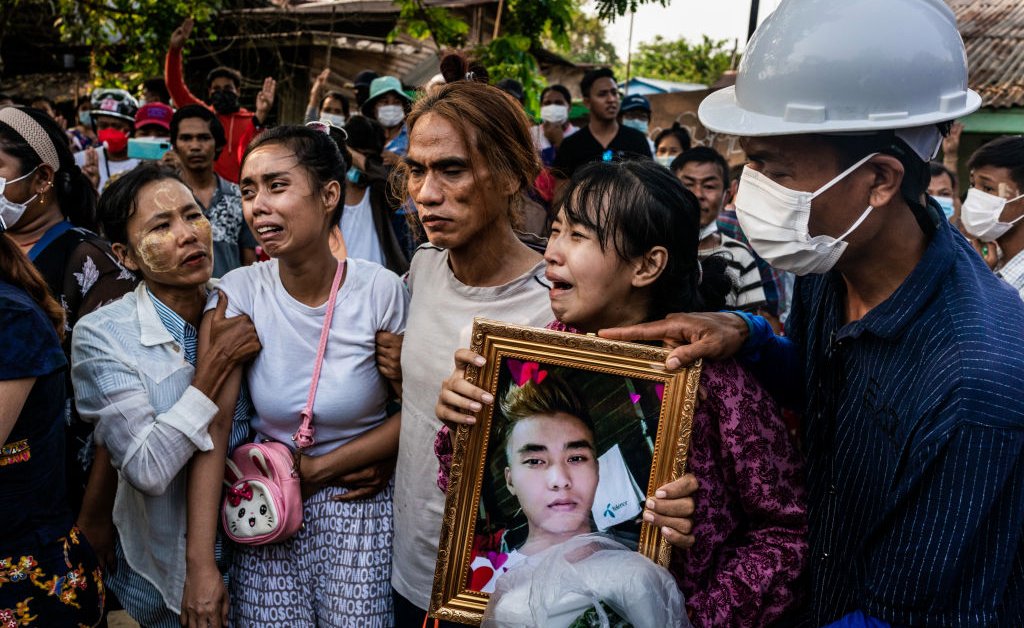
(711, 335)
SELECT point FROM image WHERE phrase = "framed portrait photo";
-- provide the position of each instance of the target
(581, 432)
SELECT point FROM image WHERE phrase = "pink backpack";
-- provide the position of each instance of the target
(263, 501)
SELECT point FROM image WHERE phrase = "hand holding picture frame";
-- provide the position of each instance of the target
(581, 432)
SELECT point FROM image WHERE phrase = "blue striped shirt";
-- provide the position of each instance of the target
(914, 434)
(137, 594)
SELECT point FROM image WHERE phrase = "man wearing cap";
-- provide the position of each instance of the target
(153, 120)
(361, 85)
(513, 88)
(222, 87)
(603, 138)
(635, 113)
(388, 104)
(113, 118)
(903, 349)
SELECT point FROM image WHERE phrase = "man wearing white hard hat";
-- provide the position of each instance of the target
(903, 352)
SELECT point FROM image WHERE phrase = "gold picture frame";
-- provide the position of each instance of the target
(584, 359)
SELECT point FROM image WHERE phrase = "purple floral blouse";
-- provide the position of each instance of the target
(750, 522)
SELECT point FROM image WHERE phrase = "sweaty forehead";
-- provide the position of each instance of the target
(434, 138)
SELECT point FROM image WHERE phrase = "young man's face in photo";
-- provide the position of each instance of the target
(552, 471)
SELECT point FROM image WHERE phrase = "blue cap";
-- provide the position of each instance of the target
(635, 101)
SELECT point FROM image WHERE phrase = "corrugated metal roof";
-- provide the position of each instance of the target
(993, 32)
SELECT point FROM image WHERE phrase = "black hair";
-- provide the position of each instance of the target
(457, 66)
(366, 135)
(158, 86)
(634, 206)
(550, 396)
(120, 200)
(513, 88)
(224, 72)
(336, 96)
(316, 152)
(702, 155)
(937, 169)
(561, 89)
(591, 77)
(1004, 152)
(198, 111)
(75, 194)
(916, 177)
(677, 131)
(46, 100)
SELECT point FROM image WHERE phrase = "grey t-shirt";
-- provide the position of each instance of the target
(440, 319)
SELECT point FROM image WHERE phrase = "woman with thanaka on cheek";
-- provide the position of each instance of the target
(623, 250)
(137, 378)
(292, 185)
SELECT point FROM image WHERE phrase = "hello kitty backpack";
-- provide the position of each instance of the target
(263, 503)
(263, 500)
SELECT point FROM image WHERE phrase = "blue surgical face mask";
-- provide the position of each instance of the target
(85, 118)
(633, 123)
(946, 203)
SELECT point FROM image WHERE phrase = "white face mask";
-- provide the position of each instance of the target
(665, 160)
(333, 119)
(774, 219)
(390, 115)
(11, 212)
(980, 214)
(555, 114)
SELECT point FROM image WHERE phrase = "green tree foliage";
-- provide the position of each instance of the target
(682, 61)
(588, 42)
(128, 37)
(526, 26)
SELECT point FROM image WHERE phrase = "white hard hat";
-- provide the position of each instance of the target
(828, 66)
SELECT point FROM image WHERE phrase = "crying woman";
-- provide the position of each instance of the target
(137, 378)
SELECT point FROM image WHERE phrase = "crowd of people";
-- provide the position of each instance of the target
(180, 278)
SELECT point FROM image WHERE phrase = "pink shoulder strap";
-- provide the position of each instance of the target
(303, 437)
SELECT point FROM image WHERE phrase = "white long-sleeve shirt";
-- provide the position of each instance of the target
(133, 381)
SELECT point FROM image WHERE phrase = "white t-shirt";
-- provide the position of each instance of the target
(107, 169)
(440, 319)
(351, 395)
(359, 233)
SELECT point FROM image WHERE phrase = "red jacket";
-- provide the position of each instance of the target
(238, 126)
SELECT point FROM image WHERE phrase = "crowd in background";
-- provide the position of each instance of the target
(168, 261)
